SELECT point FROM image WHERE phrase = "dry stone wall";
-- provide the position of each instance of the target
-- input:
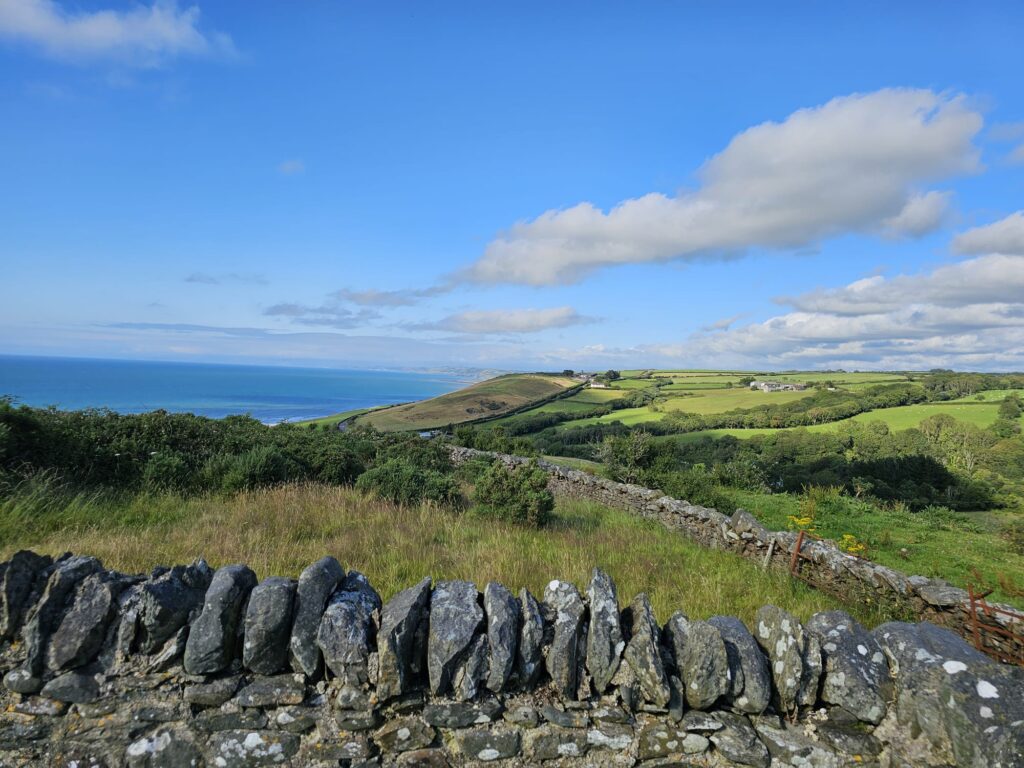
(191, 666)
(822, 564)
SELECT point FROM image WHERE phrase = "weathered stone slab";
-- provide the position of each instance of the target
(45, 616)
(268, 626)
(502, 610)
(20, 575)
(243, 749)
(564, 611)
(80, 634)
(751, 687)
(701, 659)
(347, 632)
(399, 621)
(213, 637)
(169, 600)
(455, 616)
(529, 653)
(643, 655)
(856, 673)
(604, 638)
(737, 741)
(968, 709)
(316, 585)
(273, 691)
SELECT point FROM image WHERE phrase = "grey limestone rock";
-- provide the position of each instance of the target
(502, 610)
(19, 577)
(643, 654)
(399, 621)
(45, 616)
(455, 616)
(967, 707)
(856, 672)
(268, 626)
(272, 691)
(72, 687)
(564, 611)
(471, 674)
(213, 637)
(83, 627)
(164, 748)
(604, 638)
(737, 741)
(348, 630)
(701, 659)
(751, 687)
(169, 600)
(781, 636)
(316, 585)
(529, 653)
(249, 748)
(404, 734)
(489, 745)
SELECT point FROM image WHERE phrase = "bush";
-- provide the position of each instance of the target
(254, 469)
(338, 466)
(166, 472)
(400, 481)
(1013, 532)
(519, 495)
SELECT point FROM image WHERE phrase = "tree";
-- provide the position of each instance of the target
(569, 372)
(518, 494)
(612, 375)
(628, 456)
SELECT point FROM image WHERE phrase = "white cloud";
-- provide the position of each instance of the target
(327, 315)
(1017, 155)
(922, 214)
(1003, 236)
(506, 321)
(143, 35)
(985, 280)
(968, 315)
(402, 298)
(855, 164)
(205, 278)
(291, 167)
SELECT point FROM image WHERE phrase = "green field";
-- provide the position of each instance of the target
(955, 547)
(907, 416)
(701, 402)
(493, 397)
(990, 396)
(337, 417)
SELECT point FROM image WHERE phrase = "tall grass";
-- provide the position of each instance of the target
(278, 531)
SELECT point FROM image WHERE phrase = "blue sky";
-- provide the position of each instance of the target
(527, 185)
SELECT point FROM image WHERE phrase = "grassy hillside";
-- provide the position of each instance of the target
(493, 397)
(980, 414)
(279, 531)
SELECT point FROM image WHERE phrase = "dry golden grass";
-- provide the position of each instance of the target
(280, 530)
(512, 390)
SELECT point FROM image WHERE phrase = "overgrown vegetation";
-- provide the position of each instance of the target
(280, 530)
(944, 498)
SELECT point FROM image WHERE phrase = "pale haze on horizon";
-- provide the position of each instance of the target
(525, 186)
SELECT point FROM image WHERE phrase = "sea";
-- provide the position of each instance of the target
(269, 393)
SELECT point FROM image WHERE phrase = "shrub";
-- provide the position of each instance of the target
(402, 482)
(519, 494)
(1013, 532)
(253, 469)
(166, 472)
(338, 466)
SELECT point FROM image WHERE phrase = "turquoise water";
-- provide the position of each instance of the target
(270, 394)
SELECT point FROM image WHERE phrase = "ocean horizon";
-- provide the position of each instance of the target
(271, 394)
